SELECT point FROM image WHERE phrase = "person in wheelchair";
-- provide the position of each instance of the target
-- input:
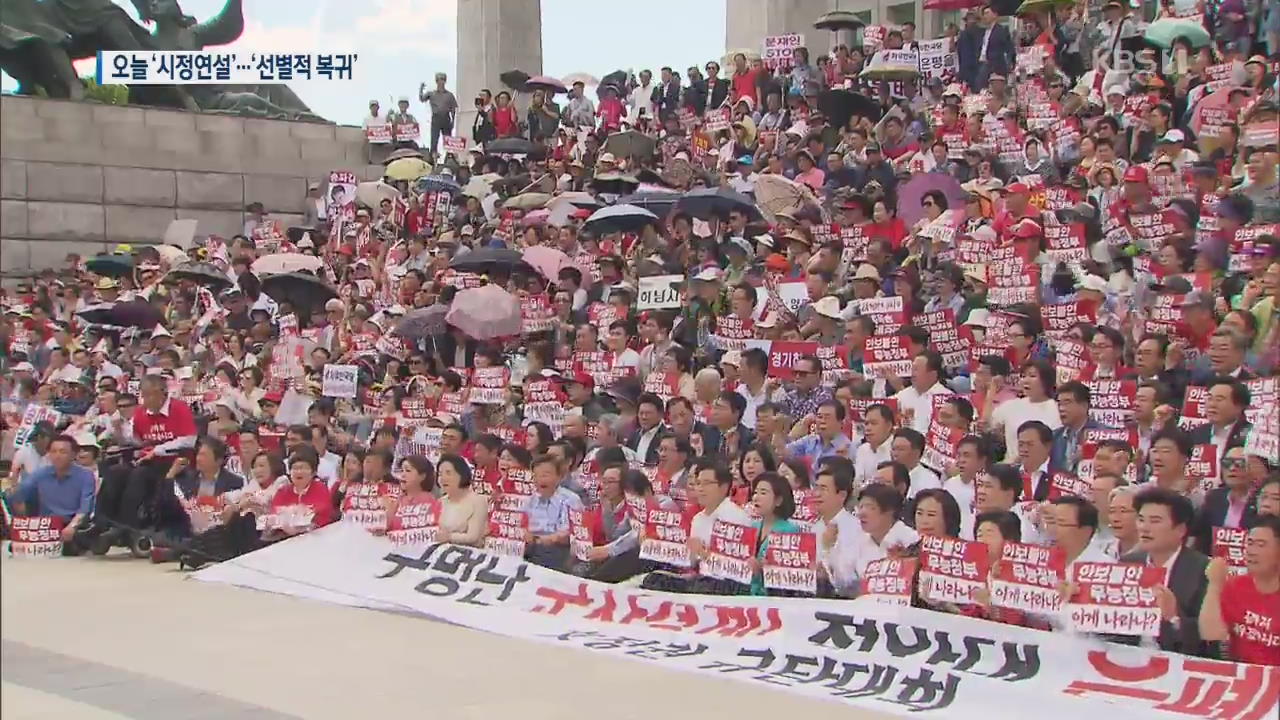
(61, 489)
(197, 488)
(162, 429)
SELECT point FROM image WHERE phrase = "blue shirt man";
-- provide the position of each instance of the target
(59, 489)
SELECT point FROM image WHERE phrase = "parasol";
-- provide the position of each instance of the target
(280, 263)
(438, 183)
(407, 169)
(840, 105)
(619, 218)
(513, 146)
(422, 322)
(658, 203)
(514, 79)
(200, 273)
(630, 144)
(705, 203)
(133, 313)
(527, 201)
(484, 259)
(371, 194)
(775, 194)
(892, 65)
(112, 265)
(912, 192)
(614, 183)
(840, 20)
(548, 261)
(545, 83)
(485, 313)
(1164, 31)
(583, 200)
(300, 289)
(403, 153)
(479, 186)
(1035, 6)
(951, 5)
(538, 217)
(171, 255)
(584, 78)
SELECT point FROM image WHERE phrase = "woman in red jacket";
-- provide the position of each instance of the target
(505, 121)
(304, 490)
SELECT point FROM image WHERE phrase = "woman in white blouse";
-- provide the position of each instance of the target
(464, 514)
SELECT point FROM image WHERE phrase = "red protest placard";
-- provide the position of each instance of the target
(1115, 598)
(790, 562)
(579, 535)
(730, 553)
(1194, 410)
(1203, 466)
(451, 406)
(1059, 317)
(955, 569)
(1061, 197)
(784, 354)
(362, 504)
(1064, 484)
(1071, 359)
(536, 314)
(1027, 578)
(39, 537)
(835, 364)
(489, 385)
(415, 523)
(506, 532)
(1228, 543)
(1111, 401)
(940, 443)
(716, 120)
(887, 356)
(378, 134)
(889, 580)
(664, 385)
(666, 538)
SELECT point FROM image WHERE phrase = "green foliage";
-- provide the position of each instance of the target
(105, 94)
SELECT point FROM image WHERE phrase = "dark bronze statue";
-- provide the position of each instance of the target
(40, 39)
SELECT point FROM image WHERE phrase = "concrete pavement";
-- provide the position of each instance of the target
(115, 637)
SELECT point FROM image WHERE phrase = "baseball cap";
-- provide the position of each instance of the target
(1136, 174)
(1173, 136)
(867, 271)
(1027, 228)
(1017, 188)
(1198, 298)
(607, 158)
(978, 317)
(583, 379)
(709, 274)
(733, 357)
(1093, 283)
(274, 396)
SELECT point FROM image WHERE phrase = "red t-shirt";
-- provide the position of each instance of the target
(316, 497)
(504, 121)
(744, 85)
(1253, 621)
(173, 421)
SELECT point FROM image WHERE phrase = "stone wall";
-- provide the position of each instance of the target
(82, 177)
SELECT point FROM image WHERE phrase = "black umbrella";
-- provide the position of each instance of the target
(658, 203)
(619, 218)
(112, 265)
(200, 273)
(513, 146)
(1006, 7)
(614, 183)
(514, 79)
(422, 322)
(705, 203)
(302, 290)
(133, 313)
(840, 105)
(482, 260)
(616, 80)
(839, 20)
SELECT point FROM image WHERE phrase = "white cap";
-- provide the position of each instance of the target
(828, 306)
(1093, 283)
(1117, 90)
(709, 274)
(765, 240)
(979, 317)
(161, 331)
(85, 439)
(403, 98)
(607, 158)
(70, 374)
(306, 242)
(733, 357)
(183, 373)
(24, 366)
(1174, 136)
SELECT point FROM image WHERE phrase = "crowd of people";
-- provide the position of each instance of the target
(1030, 295)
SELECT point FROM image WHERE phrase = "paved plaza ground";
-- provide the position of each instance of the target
(113, 637)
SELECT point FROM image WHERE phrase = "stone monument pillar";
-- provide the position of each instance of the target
(494, 36)
(747, 22)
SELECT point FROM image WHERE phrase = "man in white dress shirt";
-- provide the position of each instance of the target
(877, 446)
(971, 460)
(882, 534)
(711, 487)
(908, 448)
(832, 488)
(915, 401)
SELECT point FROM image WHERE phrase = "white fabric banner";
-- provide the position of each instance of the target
(906, 661)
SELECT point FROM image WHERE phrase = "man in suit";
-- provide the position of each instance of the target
(731, 436)
(666, 97)
(986, 49)
(1227, 506)
(1227, 348)
(1224, 406)
(1035, 440)
(1164, 521)
(644, 439)
(1073, 411)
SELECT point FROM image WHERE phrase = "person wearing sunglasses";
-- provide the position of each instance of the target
(1229, 505)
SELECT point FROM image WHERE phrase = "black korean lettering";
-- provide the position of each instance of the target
(487, 576)
(880, 680)
(973, 652)
(456, 558)
(837, 631)
(401, 562)
(898, 647)
(1017, 666)
(302, 66)
(266, 67)
(438, 586)
(921, 692)
(284, 66)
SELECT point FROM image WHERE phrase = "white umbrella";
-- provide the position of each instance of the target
(371, 194)
(281, 263)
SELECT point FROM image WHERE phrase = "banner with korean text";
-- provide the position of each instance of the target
(900, 660)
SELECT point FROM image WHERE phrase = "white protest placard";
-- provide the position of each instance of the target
(937, 57)
(716, 120)
(778, 51)
(659, 292)
(340, 381)
(794, 295)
